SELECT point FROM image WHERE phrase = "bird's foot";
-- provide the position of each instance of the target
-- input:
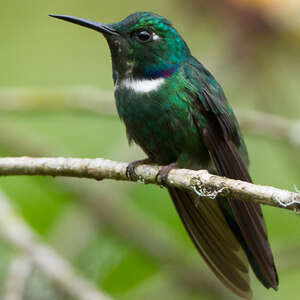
(162, 175)
(130, 170)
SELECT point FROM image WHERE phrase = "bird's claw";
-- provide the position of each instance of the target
(162, 176)
(130, 170)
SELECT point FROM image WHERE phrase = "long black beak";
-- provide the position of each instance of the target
(103, 28)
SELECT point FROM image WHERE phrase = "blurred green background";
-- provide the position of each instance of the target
(124, 237)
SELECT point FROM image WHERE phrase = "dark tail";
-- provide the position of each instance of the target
(214, 239)
(244, 218)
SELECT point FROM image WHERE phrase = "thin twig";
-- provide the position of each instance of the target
(266, 124)
(17, 233)
(81, 98)
(94, 100)
(201, 182)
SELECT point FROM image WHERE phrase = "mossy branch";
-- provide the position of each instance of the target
(201, 182)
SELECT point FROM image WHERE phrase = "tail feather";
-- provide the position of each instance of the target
(245, 218)
(215, 241)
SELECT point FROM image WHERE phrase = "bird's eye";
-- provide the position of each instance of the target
(144, 36)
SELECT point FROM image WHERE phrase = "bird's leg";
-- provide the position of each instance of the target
(164, 172)
(130, 170)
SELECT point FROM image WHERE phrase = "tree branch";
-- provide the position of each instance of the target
(201, 182)
(18, 273)
(266, 124)
(81, 98)
(94, 100)
(122, 218)
(17, 233)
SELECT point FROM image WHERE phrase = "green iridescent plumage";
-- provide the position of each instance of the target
(175, 110)
(145, 58)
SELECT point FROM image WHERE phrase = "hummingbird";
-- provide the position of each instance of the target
(177, 112)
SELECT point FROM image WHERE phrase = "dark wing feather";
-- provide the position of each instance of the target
(208, 229)
(222, 140)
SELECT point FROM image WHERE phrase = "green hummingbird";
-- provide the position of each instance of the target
(176, 111)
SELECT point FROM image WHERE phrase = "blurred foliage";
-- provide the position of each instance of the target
(37, 51)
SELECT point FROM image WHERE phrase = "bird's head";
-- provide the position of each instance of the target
(144, 45)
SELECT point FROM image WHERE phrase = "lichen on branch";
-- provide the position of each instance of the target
(201, 182)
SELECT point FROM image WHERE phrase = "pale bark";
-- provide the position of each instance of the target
(201, 182)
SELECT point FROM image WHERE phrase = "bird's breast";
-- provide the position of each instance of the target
(157, 118)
